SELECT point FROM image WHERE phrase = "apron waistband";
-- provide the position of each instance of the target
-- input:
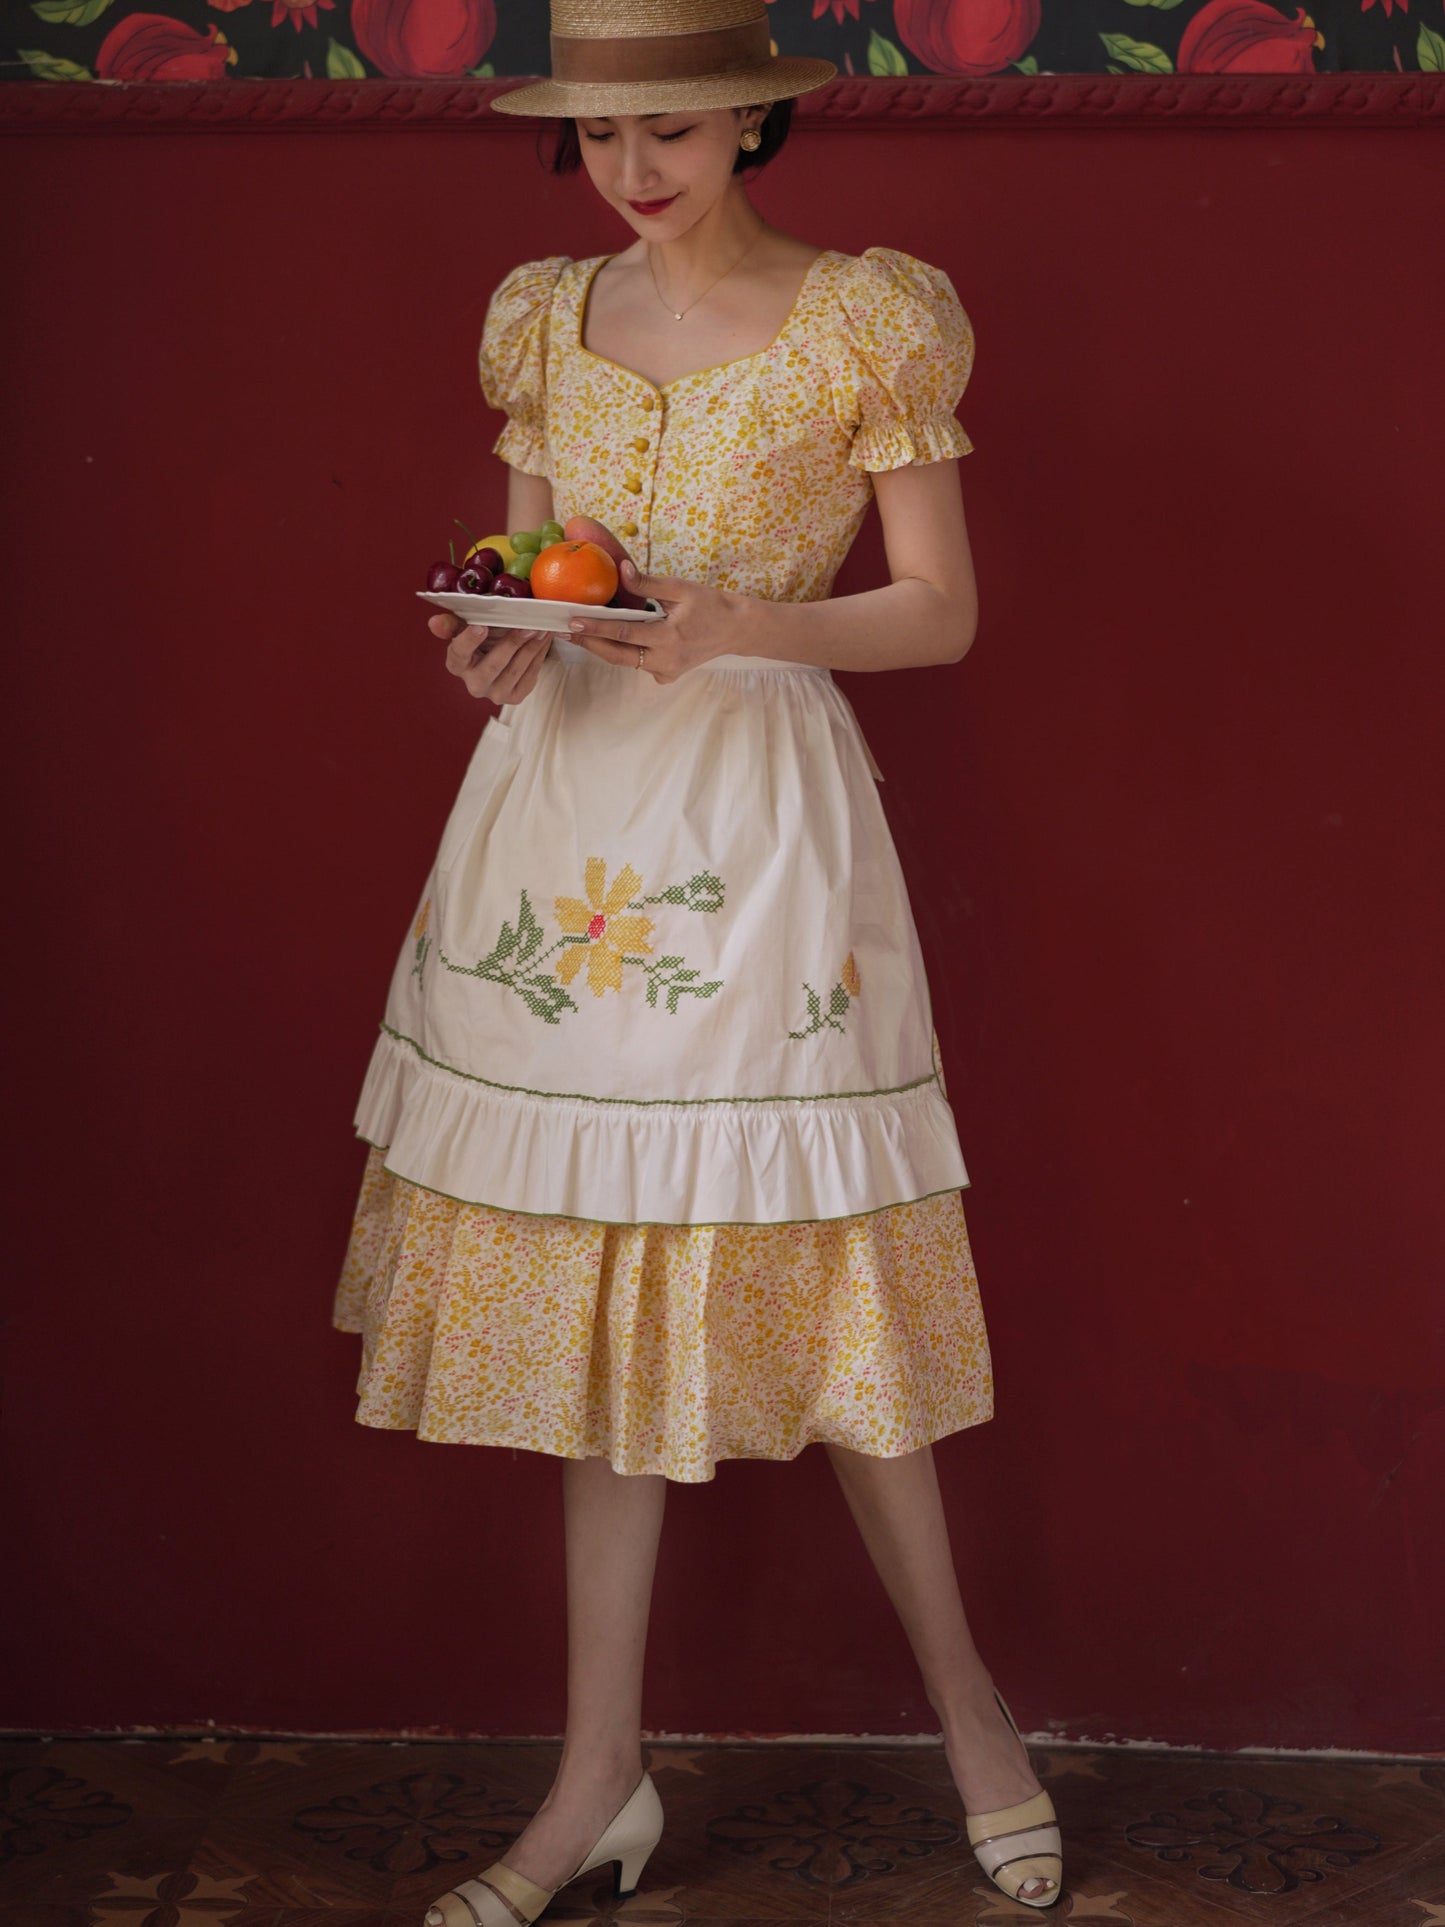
(568, 651)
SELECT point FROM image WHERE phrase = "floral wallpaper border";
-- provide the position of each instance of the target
(1382, 100)
(217, 40)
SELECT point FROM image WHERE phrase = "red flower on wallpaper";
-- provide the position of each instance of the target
(293, 10)
(1247, 37)
(837, 7)
(423, 39)
(152, 46)
(967, 36)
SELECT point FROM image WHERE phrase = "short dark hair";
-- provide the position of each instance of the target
(566, 152)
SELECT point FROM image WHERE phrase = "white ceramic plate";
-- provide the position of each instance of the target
(533, 612)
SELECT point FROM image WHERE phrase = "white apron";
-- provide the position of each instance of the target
(664, 969)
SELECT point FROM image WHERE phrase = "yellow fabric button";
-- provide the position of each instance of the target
(633, 484)
(648, 402)
(628, 528)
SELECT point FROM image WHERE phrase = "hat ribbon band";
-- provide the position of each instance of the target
(661, 56)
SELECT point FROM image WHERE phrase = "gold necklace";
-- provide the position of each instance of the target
(677, 314)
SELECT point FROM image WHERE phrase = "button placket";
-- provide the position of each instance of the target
(637, 479)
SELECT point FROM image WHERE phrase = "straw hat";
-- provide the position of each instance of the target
(655, 56)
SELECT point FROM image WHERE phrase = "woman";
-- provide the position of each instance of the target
(663, 1171)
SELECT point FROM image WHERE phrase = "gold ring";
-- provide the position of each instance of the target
(641, 655)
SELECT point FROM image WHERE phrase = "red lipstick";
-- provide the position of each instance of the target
(651, 207)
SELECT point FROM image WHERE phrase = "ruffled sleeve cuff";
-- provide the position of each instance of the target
(512, 361)
(882, 445)
(905, 357)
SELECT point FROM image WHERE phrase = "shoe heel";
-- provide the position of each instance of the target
(628, 1871)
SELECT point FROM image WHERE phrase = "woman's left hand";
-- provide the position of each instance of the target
(701, 623)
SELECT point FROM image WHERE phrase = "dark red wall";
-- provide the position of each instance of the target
(1172, 829)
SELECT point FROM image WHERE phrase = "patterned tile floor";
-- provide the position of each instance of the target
(172, 1833)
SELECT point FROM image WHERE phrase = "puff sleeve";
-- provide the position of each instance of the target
(512, 360)
(903, 361)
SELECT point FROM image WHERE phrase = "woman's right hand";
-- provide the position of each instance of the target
(501, 664)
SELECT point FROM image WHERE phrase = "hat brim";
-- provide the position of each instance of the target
(782, 78)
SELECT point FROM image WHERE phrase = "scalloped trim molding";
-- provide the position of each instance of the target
(1127, 100)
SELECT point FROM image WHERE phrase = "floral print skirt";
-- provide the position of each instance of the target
(662, 1348)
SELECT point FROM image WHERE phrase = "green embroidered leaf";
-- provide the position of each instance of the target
(1028, 65)
(1142, 56)
(702, 892)
(503, 948)
(342, 63)
(46, 66)
(884, 57)
(657, 976)
(674, 976)
(484, 72)
(543, 996)
(815, 1014)
(837, 1001)
(529, 932)
(1430, 50)
(69, 13)
(688, 989)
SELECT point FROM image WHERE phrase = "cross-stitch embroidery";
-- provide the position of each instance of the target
(848, 986)
(605, 931)
(422, 941)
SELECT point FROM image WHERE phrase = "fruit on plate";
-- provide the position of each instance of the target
(574, 572)
(573, 562)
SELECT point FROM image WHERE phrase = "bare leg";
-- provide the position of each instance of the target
(899, 1511)
(613, 1523)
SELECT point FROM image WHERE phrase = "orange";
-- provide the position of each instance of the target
(574, 572)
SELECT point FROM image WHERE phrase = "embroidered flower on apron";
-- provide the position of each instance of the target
(594, 932)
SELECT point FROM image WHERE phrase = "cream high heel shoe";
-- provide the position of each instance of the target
(1013, 1844)
(501, 1897)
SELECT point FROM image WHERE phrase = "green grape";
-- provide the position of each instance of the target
(521, 563)
(552, 532)
(529, 539)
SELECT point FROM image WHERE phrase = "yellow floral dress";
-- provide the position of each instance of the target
(662, 1168)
